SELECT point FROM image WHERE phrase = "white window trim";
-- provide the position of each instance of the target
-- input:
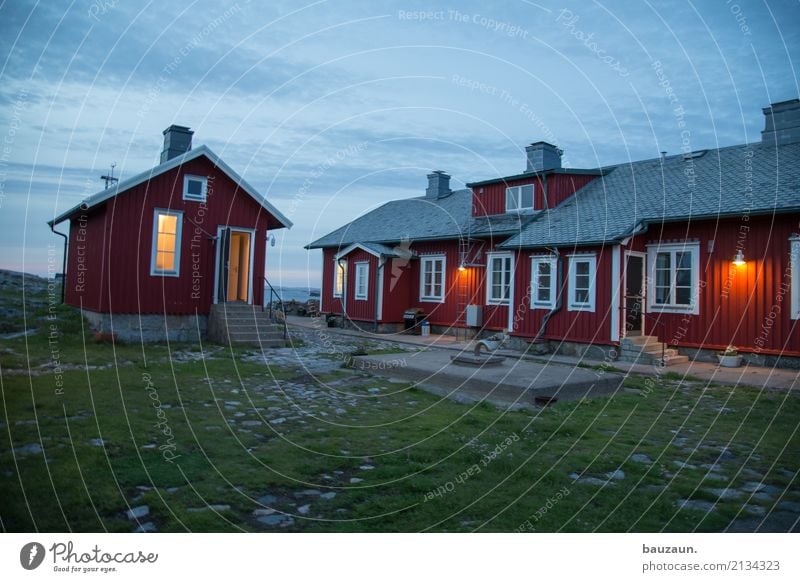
(535, 303)
(489, 260)
(572, 304)
(361, 266)
(431, 259)
(178, 243)
(336, 272)
(190, 198)
(794, 265)
(519, 198)
(694, 307)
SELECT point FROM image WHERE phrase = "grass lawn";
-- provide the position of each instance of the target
(292, 441)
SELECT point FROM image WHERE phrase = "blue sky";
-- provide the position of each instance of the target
(333, 107)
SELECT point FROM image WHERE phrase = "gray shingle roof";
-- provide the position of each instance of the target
(410, 218)
(737, 180)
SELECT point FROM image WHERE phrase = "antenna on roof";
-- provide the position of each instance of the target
(110, 179)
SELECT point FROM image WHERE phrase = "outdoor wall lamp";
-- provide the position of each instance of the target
(461, 267)
(738, 258)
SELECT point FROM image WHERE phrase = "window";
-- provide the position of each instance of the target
(498, 282)
(431, 280)
(543, 282)
(339, 275)
(581, 283)
(362, 280)
(519, 198)
(195, 188)
(674, 277)
(166, 254)
(794, 262)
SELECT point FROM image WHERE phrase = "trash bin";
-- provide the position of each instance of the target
(412, 320)
(425, 328)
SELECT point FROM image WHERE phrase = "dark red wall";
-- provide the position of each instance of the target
(577, 326)
(120, 266)
(743, 306)
(559, 187)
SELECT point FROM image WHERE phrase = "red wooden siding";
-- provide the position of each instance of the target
(490, 199)
(746, 306)
(122, 269)
(562, 186)
(85, 282)
(330, 304)
(576, 326)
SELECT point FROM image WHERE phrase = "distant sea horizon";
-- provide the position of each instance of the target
(300, 294)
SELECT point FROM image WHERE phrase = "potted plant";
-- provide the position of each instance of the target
(729, 357)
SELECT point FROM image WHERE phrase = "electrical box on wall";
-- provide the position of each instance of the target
(474, 315)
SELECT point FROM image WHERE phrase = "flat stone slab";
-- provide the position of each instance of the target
(516, 384)
(473, 360)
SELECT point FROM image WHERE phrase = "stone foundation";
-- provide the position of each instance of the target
(765, 360)
(131, 327)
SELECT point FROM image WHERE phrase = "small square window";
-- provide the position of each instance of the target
(195, 188)
(519, 198)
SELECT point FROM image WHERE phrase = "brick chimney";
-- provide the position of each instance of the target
(438, 185)
(177, 141)
(782, 123)
(543, 156)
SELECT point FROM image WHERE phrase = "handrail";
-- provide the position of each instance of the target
(272, 293)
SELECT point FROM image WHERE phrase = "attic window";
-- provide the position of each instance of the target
(195, 188)
(519, 198)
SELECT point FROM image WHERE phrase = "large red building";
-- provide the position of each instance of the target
(149, 256)
(696, 251)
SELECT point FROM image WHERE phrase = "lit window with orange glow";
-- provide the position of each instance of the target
(166, 243)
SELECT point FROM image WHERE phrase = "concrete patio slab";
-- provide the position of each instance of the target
(513, 384)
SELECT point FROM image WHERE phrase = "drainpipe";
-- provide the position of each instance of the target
(559, 295)
(343, 298)
(63, 261)
(378, 289)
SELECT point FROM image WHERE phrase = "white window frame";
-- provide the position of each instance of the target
(204, 189)
(693, 308)
(516, 191)
(339, 276)
(362, 276)
(490, 300)
(794, 265)
(535, 262)
(572, 303)
(154, 272)
(432, 259)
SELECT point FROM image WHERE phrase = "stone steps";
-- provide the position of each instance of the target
(646, 349)
(239, 324)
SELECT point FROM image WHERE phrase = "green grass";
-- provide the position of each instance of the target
(417, 444)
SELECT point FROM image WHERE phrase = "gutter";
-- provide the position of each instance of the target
(378, 289)
(63, 260)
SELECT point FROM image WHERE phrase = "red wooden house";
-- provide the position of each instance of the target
(683, 253)
(148, 257)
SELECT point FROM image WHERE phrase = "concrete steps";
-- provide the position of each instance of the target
(241, 324)
(646, 349)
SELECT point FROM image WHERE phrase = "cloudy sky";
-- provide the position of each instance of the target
(333, 107)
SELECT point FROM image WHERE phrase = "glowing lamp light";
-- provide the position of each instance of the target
(738, 259)
(462, 268)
